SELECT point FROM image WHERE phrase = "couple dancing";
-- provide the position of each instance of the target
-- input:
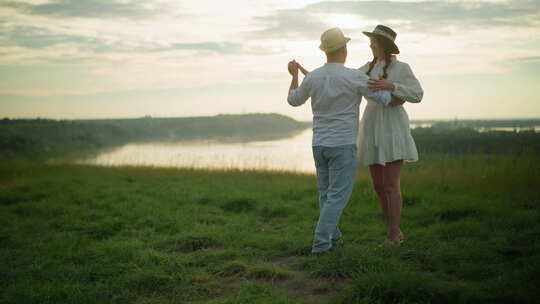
(381, 140)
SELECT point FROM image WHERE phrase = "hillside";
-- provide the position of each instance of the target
(152, 235)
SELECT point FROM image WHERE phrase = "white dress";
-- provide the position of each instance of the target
(384, 133)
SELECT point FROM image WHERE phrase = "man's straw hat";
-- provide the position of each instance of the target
(332, 40)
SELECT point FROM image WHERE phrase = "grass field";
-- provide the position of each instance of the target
(82, 234)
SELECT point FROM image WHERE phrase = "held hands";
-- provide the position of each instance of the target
(380, 84)
(293, 68)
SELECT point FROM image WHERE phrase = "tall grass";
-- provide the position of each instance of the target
(84, 234)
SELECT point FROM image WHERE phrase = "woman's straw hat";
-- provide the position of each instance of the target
(386, 33)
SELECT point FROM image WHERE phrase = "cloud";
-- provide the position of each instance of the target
(288, 23)
(224, 48)
(423, 16)
(30, 37)
(38, 38)
(83, 8)
(515, 13)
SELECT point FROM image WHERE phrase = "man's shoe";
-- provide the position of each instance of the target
(338, 243)
(323, 253)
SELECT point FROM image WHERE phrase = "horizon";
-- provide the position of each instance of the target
(254, 113)
(107, 59)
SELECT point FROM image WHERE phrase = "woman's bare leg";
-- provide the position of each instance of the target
(377, 177)
(392, 190)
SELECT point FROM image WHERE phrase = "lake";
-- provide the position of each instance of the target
(288, 154)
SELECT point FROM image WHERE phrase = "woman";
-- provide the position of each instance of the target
(384, 138)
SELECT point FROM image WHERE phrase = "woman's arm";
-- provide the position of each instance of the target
(304, 71)
(396, 101)
(408, 87)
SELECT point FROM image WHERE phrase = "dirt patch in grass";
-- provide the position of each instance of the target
(233, 269)
(269, 273)
(282, 275)
(227, 285)
(301, 286)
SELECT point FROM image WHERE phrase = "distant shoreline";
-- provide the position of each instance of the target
(422, 120)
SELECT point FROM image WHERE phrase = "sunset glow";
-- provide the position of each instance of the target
(68, 59)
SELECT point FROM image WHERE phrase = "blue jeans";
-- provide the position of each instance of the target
(336, 172)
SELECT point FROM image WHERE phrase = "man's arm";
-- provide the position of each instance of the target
(381, 96)
(383, 84)
(297, 95)
(361, 83)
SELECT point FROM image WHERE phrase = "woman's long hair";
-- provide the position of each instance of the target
(386, 46)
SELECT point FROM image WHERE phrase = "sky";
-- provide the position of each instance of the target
(74, 59)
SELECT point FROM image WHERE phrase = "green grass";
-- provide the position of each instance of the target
(83, 234)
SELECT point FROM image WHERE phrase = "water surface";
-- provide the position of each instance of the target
(289, 154)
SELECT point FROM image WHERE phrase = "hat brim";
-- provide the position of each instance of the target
(334, 47)
(394, 49)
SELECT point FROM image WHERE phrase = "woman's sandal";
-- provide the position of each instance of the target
(401, 237)
(390, 243)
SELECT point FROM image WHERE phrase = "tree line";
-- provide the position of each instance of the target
(44, 138)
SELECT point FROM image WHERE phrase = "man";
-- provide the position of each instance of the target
(335, 93)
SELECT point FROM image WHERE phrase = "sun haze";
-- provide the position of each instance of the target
(67, 59)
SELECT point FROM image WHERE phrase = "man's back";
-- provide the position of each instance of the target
(335, 92)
